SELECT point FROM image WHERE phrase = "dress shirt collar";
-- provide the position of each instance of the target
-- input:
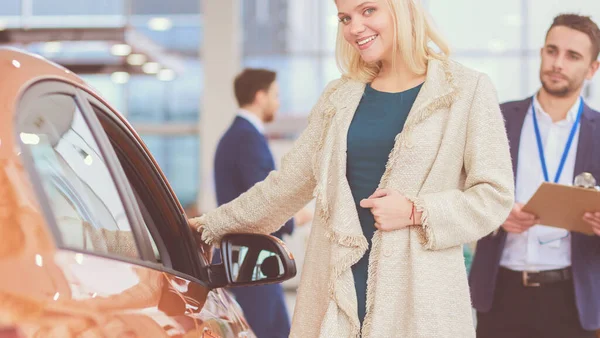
(571, 115)
(253, 119)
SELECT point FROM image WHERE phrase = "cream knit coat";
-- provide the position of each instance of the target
(452, 160)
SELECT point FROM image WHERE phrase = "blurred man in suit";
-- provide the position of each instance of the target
(243, 158)
(529, 280)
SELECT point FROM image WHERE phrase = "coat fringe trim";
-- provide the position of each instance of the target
(373, 271)
(427, 235)
(208, 235)
(357, 243)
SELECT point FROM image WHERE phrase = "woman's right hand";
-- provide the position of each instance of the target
(194, 223)
(204, 249)
(519, 221)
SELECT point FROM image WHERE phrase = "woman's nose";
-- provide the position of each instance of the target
(357, 27)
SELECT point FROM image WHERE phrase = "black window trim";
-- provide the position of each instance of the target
(55, 86)
(160, 244)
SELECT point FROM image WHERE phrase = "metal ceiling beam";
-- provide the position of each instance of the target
(139, 43)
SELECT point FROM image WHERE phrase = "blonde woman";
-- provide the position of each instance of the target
(408, 159)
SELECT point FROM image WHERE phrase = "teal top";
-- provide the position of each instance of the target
(380, 116)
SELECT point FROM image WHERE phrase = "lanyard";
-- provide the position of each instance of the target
(538, 137)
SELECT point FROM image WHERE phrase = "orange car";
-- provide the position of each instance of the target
(93, 241)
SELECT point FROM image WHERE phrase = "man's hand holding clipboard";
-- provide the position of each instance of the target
(593, 219)
(573, 208)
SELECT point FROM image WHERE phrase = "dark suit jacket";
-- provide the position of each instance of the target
(585, 250)
(243, 159)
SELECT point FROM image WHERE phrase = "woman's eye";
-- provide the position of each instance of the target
(369, 11)
(344, 19)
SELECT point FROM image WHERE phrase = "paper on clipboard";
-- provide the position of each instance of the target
(563, 206)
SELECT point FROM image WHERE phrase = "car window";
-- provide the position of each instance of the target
(149, 222)
(77, 183)
(158, 205)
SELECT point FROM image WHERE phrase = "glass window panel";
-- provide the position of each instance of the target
(184, 38)
(307, 26)
(111, 92)
(480, 25)
(178, 157)
(331, 26)
(180, 38)
(152, 100)
(592, 92)
(300, 80)
(542, 12)
(10, 7)
(147, 99)
(331, 71)
(78, 184)
(162, 7)
(184, 94)
(264, 26)
(505, 73)
(533, 74)
(79, 7)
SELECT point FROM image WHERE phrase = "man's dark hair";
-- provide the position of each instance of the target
(583, 24)
(251, 81)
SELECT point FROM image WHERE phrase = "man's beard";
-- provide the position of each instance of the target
(563, 91)
(560, 92)
(268, 117)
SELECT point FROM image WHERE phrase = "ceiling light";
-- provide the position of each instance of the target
(120, 50)
(150, 67)
(88, 160)
(166, 75)
(52, 47)
(119, 77)
(31, 139)
(136, 59)
(160, 24)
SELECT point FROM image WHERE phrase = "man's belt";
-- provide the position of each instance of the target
(539, 278)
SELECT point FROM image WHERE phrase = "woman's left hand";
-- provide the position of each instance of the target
(392, 211)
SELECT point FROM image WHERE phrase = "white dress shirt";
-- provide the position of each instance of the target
(253, 119)
(541, 247)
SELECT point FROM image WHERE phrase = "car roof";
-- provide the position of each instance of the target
(19, 69)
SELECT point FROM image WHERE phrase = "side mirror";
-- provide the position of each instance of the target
(251, 259)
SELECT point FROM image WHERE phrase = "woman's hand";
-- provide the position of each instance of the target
(204, 249)
(392, 211)
(194, 223)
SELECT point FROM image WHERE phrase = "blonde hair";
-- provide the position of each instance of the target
(413, 32)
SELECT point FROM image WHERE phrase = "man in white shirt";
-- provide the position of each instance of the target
(529, 280)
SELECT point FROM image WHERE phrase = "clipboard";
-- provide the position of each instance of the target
(563, 206)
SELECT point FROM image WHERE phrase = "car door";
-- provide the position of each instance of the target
(117, 272)
(164, 215)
